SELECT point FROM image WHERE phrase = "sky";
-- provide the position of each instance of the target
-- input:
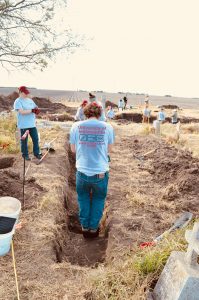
(143, 46)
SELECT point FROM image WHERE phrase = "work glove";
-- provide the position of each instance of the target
(36, 110)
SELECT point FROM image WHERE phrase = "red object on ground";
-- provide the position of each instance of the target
(24, 136)
(5, 145)
(147, 244)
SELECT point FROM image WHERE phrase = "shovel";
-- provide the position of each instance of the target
(142, 157)
(181, 222)
(48, 147)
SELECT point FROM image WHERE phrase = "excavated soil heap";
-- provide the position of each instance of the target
(6, 103)
(6, 162)
(170, 106)
(176, 170)
(187, 120)
(133, 117)
(11, 185)
(109, 103)
(137, 118)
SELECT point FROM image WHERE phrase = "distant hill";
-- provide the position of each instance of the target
(135, 99)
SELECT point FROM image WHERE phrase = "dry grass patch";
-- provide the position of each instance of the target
(136, 198)
(131, 275)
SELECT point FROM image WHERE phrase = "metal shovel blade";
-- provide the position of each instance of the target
(181, 222)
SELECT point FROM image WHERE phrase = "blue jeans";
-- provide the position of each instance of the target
(35, 140)
(91, 192)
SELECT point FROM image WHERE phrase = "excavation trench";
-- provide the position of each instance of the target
(71, 246)
(128, 117)
(6, 162)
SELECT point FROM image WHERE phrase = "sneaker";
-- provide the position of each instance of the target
(94, 233)
(85, 229)
(85, 232)
(38, 156)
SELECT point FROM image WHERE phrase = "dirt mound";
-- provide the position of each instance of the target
(109, 103)
(6, 103)
(134, 117)
(6, 162)
(50, 106)
(11, 185)
(170, 106)
(177, 169)
(187, 120)
(137, 118)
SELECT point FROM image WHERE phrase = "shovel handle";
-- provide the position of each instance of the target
(43, 157)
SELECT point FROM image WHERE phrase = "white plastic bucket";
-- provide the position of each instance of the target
(5, 242)
(10, 207)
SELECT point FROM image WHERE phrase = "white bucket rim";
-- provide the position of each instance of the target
(11, 200)
(5, 235)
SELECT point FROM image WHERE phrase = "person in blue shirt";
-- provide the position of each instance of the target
(110, 113)
(80, 111)
(161, 115)
(26, 110)
(91, 140)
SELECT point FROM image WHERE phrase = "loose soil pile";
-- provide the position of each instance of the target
(137, 118)
(170, 106)
(6, 162)
(11, 185)
(109, 103)
(148, 194)
(6, 104)
(133, 117)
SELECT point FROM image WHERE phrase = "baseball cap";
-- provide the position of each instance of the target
(91, 95)
(84, 102)
(23, 89)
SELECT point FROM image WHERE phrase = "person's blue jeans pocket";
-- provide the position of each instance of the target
(92, 192)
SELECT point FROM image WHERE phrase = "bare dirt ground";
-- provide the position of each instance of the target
(145, 196)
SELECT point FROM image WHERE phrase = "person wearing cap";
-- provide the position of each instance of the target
(26, 120)
(92, 98)
(91, 140)
(80, 111)
(174, 117)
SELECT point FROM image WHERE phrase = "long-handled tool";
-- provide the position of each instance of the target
(142, 157)
(23, 137)
(181, 222)
(49, 148)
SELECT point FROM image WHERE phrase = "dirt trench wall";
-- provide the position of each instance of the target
(38, 245)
